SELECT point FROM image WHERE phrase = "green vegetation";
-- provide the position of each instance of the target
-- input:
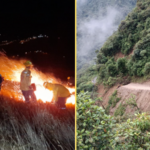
(120, 110)
(84, 81)
(132, 102)
(133, 35)
(94, 127)
(97, 130)
(132, 134)
(113, 100)
(132, 40)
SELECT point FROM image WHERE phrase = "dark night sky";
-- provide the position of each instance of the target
(43, 16)
(22, 19)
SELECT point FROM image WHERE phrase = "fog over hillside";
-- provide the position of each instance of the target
(95, 31)
(96, 21)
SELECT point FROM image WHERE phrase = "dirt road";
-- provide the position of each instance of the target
(137, 86)
(141, 93)
(140, 90)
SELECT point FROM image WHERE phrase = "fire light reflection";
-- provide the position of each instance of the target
(11, 70)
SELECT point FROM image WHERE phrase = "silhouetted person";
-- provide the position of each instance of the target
(61, 93)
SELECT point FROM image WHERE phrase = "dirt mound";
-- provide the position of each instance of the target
(119, 55)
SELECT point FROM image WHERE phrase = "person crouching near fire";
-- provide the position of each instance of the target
(60, 94)
(25, 83)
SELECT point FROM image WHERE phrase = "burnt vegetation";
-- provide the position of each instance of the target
(35, 126)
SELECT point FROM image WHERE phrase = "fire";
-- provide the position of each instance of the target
(11, 70)
(43, 94)
(71, 100)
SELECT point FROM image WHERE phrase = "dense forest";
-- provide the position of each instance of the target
(131, 41)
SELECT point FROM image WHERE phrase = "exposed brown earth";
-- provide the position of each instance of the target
(119, 55)
(141, 92)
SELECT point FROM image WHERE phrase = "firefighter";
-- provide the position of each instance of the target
(60, 94)
(1, 80)
(25, 83)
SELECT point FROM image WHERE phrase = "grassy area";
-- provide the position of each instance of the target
(113, 100)
(35, 126)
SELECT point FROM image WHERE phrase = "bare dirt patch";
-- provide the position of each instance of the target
(141, 92)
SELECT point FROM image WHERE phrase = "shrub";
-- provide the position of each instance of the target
(94, 128)
(132, 134)
(112, 70)
(112, 45)
(110, 82)
(120, 110)
(143, 53)
(121, 65)
(113, 100)
(147, 24)
(129, 67)
(137, 54)
(146, 69)
(87, 87)
(103, 72)
(101, 58)
(98, 66)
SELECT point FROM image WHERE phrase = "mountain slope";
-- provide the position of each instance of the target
(96, 21)
(133, 36)
(131, 42)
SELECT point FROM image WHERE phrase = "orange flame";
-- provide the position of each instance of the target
(11, 69)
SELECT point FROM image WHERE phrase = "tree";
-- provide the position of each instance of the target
(146, 69)
(112, 70)
(94, 128)
(121, 65)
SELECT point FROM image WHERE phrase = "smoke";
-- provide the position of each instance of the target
(94, 27)
(95, 31)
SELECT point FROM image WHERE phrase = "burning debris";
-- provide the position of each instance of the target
(11, 70)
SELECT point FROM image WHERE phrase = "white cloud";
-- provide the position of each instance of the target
(95, 30)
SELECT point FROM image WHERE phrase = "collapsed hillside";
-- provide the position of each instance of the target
(125, 99)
